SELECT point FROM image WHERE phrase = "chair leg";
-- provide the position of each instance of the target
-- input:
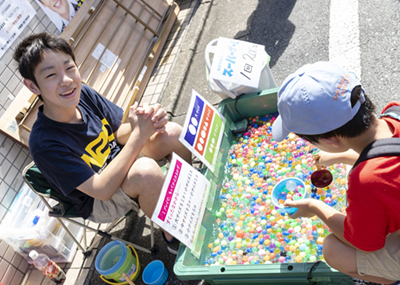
(154, 248)
(107, 235)
(70, 234)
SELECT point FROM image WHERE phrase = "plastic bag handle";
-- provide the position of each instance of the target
(210, 48)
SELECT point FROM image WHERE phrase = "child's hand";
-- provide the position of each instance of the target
(156, 113)
(159, 118)
(139, 123)
(324, 159)
(304, 208)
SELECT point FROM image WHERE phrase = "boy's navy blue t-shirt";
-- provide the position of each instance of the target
(69, 154)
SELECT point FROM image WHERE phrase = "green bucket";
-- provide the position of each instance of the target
(114, 259)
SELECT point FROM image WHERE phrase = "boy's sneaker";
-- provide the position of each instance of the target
(173, 245)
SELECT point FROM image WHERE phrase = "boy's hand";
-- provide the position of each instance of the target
(324, 159)
(139, 123)
(159, 118)
(156, 113)
(305, 208)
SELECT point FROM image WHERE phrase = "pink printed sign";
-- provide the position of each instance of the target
(180, 207)
(170, 191)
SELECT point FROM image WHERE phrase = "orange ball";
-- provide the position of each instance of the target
(298, 258)
(240, 234)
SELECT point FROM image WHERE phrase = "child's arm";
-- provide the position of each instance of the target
(329, 158)
(158, 117)
(330, 216)
(103, 186)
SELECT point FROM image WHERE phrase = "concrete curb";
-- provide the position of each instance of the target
(184, 58)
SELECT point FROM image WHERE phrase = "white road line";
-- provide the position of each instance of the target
(344, 35)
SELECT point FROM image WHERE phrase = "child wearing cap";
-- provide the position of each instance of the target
(327, 106)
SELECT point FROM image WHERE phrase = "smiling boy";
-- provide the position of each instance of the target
(77, 139)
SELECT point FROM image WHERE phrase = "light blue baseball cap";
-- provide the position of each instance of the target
(315, 99)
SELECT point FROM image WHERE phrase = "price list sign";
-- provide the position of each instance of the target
(15, 15)
(180, 207)
(202, 130)
(238, 62)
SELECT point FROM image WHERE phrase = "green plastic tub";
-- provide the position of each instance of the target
(189, 267)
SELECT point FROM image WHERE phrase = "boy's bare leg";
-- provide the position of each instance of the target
(144, 180)
(161, 145)
(343, 258)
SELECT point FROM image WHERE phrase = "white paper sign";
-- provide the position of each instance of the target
(180, 207)
(203, 130)
(238, 62)
(15, 15)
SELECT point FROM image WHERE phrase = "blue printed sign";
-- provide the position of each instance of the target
(194, 120)
(203, 129)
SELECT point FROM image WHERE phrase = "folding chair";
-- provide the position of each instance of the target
(65, 210)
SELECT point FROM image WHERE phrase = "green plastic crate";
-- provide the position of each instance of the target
(188, 267)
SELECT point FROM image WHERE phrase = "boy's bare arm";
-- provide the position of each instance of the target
(330, 216)
(103, 186)
(123, 133)
(157, 115)
(327, 158)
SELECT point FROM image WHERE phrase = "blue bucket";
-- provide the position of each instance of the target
(281, 186)
(155, 273)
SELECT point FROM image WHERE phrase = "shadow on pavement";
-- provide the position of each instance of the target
(136, 230)
(268, 25)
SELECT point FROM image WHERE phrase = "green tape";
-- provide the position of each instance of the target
(212, 187)
(198, 241)
(211, 149)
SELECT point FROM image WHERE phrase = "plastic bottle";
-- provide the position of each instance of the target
(47, 266)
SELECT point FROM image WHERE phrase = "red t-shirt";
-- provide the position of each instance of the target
(373, 197)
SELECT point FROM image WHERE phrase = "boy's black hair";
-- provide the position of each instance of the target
(356, 126)
(29, 53)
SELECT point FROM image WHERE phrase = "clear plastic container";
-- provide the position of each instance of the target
(28, 226)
